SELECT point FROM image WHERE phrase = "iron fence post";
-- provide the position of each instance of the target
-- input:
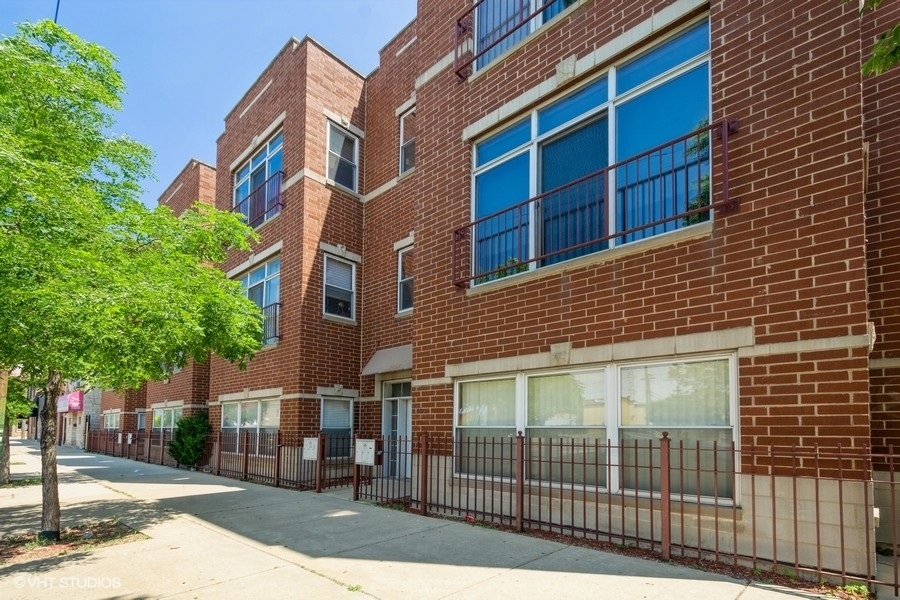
(423, 474)
(218, 451)
(355, 473)
(320, 463)
(245, 467)
(277, 458)
(665, 510)
(520, 480)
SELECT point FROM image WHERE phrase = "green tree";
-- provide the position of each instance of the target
(886, 52)
(18, 406)
(93, 285)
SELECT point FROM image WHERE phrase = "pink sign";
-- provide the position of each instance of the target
(70, 402)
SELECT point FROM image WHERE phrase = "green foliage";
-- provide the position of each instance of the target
(18, 406)
(189, 440)
(886, 52)
(93, 285)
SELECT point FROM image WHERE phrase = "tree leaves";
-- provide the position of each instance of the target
(93, 284)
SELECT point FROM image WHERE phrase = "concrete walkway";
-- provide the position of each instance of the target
(212, 537)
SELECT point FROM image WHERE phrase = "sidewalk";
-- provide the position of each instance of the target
(212, 537)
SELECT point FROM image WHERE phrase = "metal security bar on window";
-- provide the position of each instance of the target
(491, 27)
(673, 185)
(272, 324)
(262, 203)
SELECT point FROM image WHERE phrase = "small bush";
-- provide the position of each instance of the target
(189, 440)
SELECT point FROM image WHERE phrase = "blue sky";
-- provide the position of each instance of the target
(187, 62)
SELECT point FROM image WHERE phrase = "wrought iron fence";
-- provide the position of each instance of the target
(146, 446)
(821, 513)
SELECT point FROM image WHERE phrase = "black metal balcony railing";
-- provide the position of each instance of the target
(663, 189)
(489, 27)
(262, 203)
(272, 324)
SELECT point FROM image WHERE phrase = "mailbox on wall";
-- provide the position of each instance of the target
(369, 452)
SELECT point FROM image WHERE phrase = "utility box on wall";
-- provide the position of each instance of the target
(311, 448)
(369, 452)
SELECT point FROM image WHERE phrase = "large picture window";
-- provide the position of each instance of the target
(166, 419)
(542, 187)
(569, 416)
(259, 418)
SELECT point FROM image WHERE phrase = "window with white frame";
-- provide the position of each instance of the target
(258, 418)
(340, 287)
(501, 24)
(405, 279)
(141, 420)
(560, 153)
(343, 157)
(166, 418)
(257, 183)
(407, 140)
(337, 425)
(111, 420)
(262, 285)
(567, 418)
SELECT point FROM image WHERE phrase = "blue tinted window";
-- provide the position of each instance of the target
(689, 44)
(663, 113)
(572, 106)
(501, 187)
(503, 142)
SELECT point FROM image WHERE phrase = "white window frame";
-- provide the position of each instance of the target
(169, 417)
(270, 277)
(334, 127)
(272, 147)
(613, 424)
(238, 429)
(112, 418)
(325, 285)
(401, 281)
(350, 407)
(407, 145)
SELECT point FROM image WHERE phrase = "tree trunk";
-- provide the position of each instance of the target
(4, 447)
(4, 461)
(49, 480)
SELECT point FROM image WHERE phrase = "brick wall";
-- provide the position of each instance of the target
(790, 263)
(881, 115)
(127, 402)
(190, 385)
(388, 217)
(303, 82)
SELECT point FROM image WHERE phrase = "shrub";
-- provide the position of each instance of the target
(189, 440)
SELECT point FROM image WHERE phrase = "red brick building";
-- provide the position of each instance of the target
(620, 219)
(158, 405)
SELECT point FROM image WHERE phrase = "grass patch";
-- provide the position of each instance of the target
(81, 538)
(22, 482)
